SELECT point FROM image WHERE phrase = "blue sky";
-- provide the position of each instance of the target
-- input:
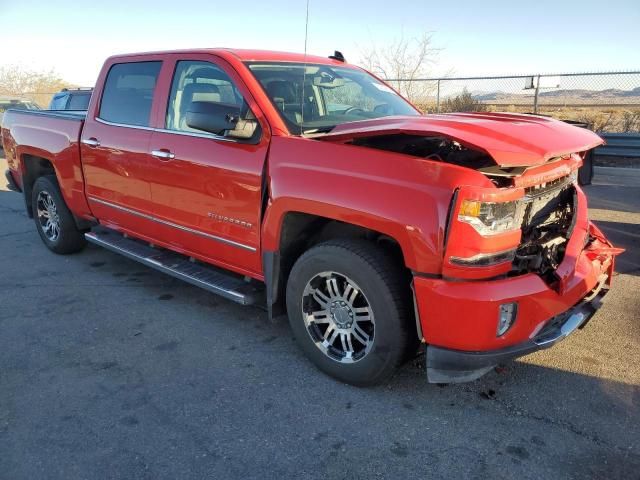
(476, 37)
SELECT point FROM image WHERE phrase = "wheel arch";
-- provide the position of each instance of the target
(33, 167)
(299, 231)
(36, 166)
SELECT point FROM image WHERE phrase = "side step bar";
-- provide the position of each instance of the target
(225, 284)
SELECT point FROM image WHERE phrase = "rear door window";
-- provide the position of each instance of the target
(128, 93)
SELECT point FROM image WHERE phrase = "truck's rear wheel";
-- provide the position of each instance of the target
(54, 221)
(347, 303)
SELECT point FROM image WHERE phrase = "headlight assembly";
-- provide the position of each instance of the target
(490, 218)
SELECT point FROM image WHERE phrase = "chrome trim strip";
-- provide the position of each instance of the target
(113, 124)
(165, 130)
(485, 259)
(174, 225)
(534, 192)
(572, 324)
(195, 134)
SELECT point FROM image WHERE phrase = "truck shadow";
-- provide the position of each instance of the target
(599, 412)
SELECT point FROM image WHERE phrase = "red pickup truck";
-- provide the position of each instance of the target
(311, 186)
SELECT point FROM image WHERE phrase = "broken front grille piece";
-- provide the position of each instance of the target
(547, 222)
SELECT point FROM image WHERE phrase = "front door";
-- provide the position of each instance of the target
(206, 188)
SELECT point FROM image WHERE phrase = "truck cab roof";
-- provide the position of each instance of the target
(245, 55)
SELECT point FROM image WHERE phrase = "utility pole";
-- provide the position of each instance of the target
(535, 95)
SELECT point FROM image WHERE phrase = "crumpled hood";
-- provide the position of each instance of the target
(510, 139)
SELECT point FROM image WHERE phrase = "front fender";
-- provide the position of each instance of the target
(400, 196)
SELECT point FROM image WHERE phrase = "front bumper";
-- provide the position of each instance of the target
(459, 319)
(454, 366)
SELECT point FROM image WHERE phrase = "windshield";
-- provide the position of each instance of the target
(332, 95)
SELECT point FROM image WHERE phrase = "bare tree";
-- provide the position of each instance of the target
(16, 81)
(404, 61)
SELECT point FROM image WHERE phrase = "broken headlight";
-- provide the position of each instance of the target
(490, 218)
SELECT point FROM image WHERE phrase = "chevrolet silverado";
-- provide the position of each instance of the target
(312, 187)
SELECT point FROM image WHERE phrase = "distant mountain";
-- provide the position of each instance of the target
(488, 96)
(589, 94)
(575, 94)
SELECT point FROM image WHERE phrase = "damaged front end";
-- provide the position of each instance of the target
(545, 213)
(548, 218)
(523, 223)
(522, 266)
(548, 206)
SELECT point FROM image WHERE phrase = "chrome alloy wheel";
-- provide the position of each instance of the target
(48, 216)
(338, 317)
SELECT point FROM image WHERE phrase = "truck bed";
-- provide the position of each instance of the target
(68, 114)
(29, 135)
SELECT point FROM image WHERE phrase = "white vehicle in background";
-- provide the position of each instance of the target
(11, 102)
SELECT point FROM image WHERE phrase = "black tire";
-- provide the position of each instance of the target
(69, 239)
(385, 289)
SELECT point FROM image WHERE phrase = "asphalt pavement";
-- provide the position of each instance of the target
(111, 370)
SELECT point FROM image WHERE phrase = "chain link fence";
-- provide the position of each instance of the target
(605, 101)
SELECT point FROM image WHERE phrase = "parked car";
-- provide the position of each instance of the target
(375, 228)
(17, 103)
(71, 99)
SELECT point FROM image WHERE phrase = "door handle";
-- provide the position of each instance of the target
(163, 154)
(91, 142)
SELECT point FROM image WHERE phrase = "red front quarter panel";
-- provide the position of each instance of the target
(403, 197)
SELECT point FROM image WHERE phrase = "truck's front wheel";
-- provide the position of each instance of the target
(347, 305)
(54, 221)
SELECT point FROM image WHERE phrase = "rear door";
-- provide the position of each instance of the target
(115, 146)
(206, 189)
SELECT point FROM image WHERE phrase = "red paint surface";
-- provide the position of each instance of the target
(464, 315)
(510, 139)
(403, 197)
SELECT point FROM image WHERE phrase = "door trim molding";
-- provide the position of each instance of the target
(211, 136)
(173, 225)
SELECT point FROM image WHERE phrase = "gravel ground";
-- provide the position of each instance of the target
(111, 370)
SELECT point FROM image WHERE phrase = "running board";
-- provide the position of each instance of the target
(225, 284)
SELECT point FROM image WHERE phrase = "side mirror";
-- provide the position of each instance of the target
(213, 117)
